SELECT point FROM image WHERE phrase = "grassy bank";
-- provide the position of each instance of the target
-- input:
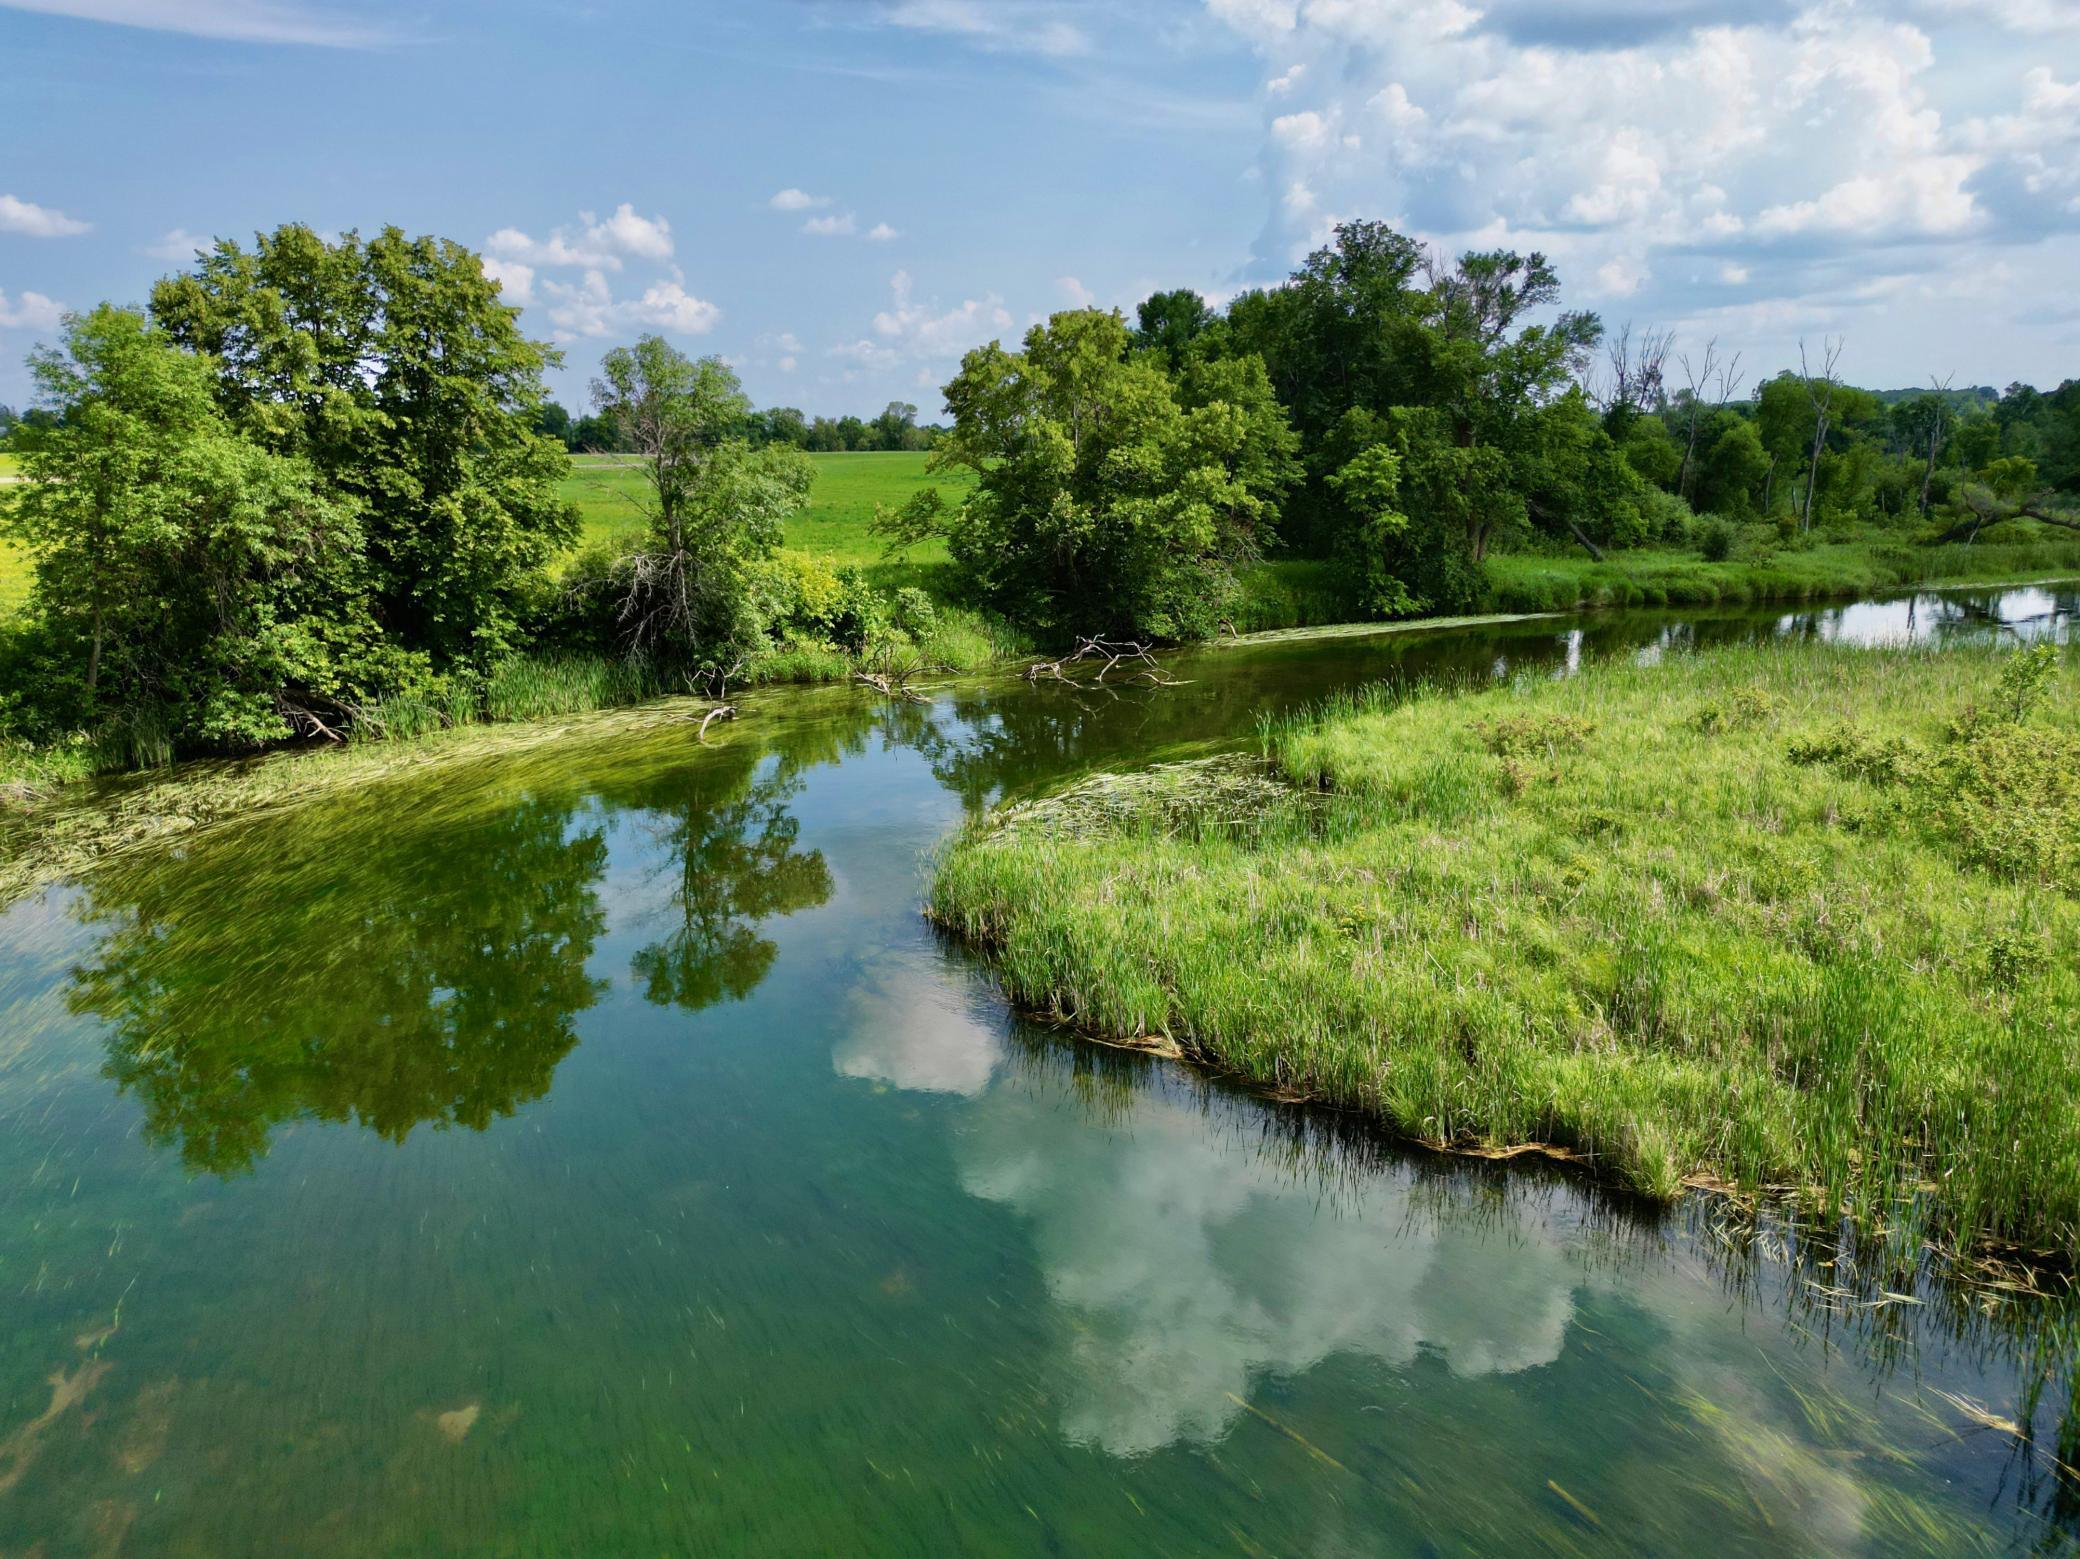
(551, 686)
(1526, 583)
(1793, 917)
(1293, 593)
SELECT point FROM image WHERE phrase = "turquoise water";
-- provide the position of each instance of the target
(592, 1150)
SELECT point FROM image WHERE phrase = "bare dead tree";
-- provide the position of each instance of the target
(1699, 379)
(1820, 390)
(1634, 375)
(1938, 428)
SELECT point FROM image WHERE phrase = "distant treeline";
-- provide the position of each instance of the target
(896, 428)
(316, 487)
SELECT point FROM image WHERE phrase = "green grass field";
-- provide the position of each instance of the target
(1797, 916)
(14, 563)
(834, 526)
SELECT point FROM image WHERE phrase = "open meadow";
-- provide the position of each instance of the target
(834, 526)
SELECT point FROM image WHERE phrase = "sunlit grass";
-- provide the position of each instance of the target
(833, 527)
(1614, 915)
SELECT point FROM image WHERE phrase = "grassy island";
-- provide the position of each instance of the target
(1801, 917)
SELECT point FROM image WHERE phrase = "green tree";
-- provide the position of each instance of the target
(1108, 499)
(1734, 470)
(896, 427)
(392, 367)
(715, 504)
(203, 590)
(1167, 323)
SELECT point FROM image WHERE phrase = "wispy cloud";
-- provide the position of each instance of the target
(178, 244)
(23, 216)
(1010, 25)
(243, 21)
(845, 224)
(31, 311)
(798, 200)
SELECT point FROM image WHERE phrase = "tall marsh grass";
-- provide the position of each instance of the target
(1627, 915)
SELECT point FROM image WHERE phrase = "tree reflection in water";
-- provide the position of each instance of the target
(390, 973)
(421, 957)
(724, 838)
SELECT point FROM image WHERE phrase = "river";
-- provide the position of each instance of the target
(592, 1150)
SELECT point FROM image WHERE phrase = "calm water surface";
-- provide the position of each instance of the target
(591, 1151)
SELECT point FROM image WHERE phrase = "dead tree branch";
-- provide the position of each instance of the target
(1106, 655)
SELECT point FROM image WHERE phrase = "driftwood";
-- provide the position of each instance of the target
(719, 712)
(304, 720)
(1106, 656)
(715, 680)
(892, 684)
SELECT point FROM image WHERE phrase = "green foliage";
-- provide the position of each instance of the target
(1167, 324)
(1734, 470)
(715, 505)
(1715, 539)
(1370, 486)
(394, 372)
(192, 589)
(1108, 498)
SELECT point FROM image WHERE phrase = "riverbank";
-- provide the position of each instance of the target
(1762, 572)
(1798, 917)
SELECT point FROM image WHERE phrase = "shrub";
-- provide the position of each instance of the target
(1715, 538)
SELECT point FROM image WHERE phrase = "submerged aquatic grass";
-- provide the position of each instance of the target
(1629, 915)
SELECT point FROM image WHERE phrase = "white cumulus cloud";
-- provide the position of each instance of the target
(593, 244)
(31, 311)
(34, 221)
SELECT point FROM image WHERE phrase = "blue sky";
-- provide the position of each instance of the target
(840, 196)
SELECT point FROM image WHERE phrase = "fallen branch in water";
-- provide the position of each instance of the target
(892, 684)
(1113, 653)
(719, 712)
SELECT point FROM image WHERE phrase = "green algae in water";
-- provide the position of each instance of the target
(590, 1150)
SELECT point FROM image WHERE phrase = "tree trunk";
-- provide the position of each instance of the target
(1689, 453)
(1595, 551)
(1813, 470)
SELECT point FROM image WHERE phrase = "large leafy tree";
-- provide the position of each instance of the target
(1109, 499)
(394, 370)
(714, 503)
(194, 588)
(1168, 323)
